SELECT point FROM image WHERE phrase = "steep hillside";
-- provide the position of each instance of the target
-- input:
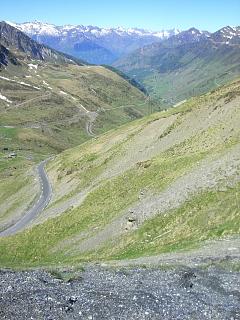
(50, 102)
(185, 65)
(166, 182)
(56, 97)
(24, 47)
(96, 45)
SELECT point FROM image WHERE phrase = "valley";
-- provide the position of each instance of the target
(49, 103)
(146, 188)
(185, 65)
(172, 65)
(94, 44)
(119, 170)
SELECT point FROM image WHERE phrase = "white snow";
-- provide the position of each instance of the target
(20, 82)
(40, 28)
(62, 92)
(2, 97)
(47, 85)
(37, 27)
(4, 78)
(32, 66)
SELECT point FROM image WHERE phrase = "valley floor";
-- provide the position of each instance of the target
(108, 293)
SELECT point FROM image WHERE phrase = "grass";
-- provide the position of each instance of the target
(211, 214)
(100, 206)
(53, 122)
(29, 248)
(200, 76)
(67, 276)
(18, 188)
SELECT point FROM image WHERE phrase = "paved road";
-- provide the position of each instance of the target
(41, 203)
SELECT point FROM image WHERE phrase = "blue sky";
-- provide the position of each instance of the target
(150, 14)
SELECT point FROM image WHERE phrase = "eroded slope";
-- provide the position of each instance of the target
(162, 183)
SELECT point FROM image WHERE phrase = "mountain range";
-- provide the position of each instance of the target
(106, 45)
(17, 46)
(187, 64)
(94, 44)
(155, 60)
(52, 98)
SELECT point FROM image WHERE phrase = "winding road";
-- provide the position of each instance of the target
(42, 202)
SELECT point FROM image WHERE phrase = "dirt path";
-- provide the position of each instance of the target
(89, 124)
(31, 100)
(210, 251)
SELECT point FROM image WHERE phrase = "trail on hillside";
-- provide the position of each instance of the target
(209, 251)
(48, 94)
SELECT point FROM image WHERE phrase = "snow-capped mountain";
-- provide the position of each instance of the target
(16, 46)
(229, 35)
(47, 29)
(94, 44)
(107, 45)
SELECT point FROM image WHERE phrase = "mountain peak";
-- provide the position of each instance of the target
(98, 45)
(41, 28)
(16, 41)
(193, 30)
(227, 34)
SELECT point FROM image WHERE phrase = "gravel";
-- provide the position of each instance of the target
(108, 293)
(206, 175)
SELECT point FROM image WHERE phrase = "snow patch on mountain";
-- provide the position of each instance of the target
(41, 28)
(2, 97)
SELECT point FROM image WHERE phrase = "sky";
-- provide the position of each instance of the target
(208, 15)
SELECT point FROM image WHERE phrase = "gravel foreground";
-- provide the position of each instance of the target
(137, 293)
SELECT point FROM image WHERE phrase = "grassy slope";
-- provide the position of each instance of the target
(54, 112)
(198, 79)
(99, 165)
(174, 74)
(54, 121)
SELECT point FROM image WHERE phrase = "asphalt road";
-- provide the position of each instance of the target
(41, 203)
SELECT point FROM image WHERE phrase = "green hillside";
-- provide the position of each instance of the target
(52, 98)
(173, 71)
(162, 183)
(50, 102)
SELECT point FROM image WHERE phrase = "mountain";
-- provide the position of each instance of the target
(189, 63)
(161, 184)
(228, 35)
(66, 81)
(24, 47)
(94, 44)
(49, 102)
